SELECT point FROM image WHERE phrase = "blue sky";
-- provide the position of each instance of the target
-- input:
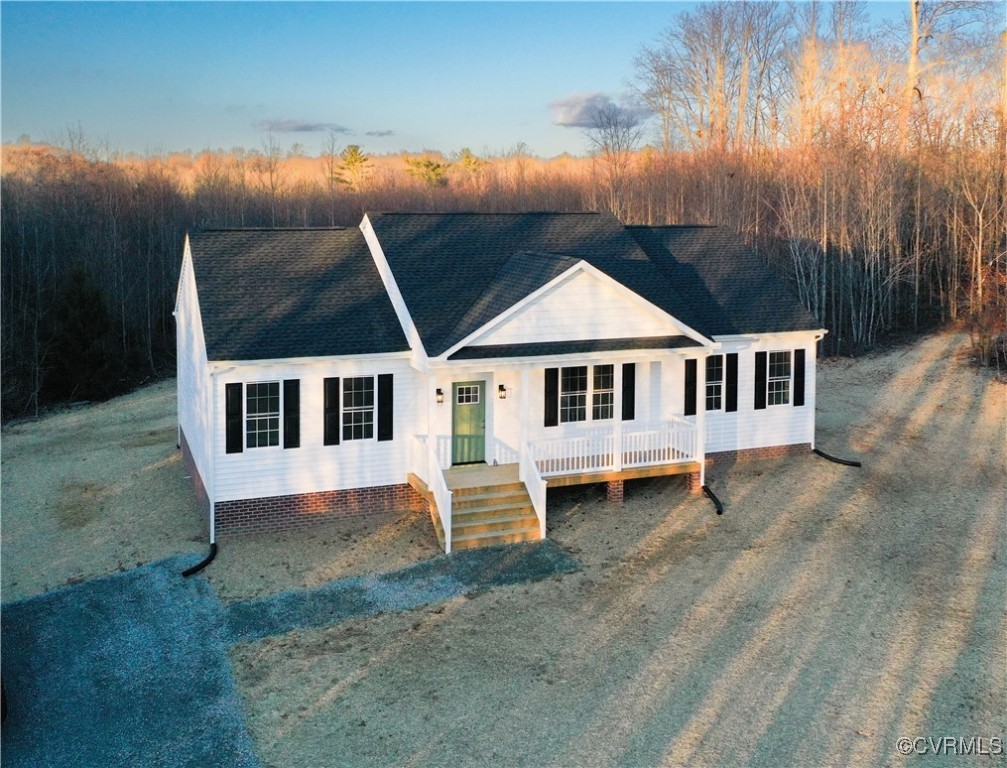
(159, 77)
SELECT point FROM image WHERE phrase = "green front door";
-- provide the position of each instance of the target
(468, 422)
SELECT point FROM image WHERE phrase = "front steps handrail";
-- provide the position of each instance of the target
(528, 473)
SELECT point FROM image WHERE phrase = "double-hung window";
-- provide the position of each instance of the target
(358, 408)
(262, 414)
(573, 394)
(778, 382)
(603, 396)
(714, 382)
(577, 388)
(584, 392)
(256, 413)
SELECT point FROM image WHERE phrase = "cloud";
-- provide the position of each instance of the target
(299, 126)
(580, 109)
(380, 134)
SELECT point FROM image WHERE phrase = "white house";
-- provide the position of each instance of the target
(463, 363)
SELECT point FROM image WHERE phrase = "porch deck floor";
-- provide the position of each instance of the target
(480, 475)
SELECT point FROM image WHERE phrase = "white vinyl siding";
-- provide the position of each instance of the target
(559, 315)
(773, 425)
(193, 376)
(313, 466)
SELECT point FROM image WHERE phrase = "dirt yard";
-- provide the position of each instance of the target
(828, 613)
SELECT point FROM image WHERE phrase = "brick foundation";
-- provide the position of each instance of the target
(202, 497)
(302, 510)
(283, 513)
(693, 482)
(729, 458)
(615, 491)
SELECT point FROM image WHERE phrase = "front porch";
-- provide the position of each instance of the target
(478, 505)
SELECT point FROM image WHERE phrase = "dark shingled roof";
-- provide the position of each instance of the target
(454, 269)
(727, 285)
(520, 276)
(267, 294)
(548, 348)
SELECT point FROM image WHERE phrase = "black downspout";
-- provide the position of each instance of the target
(714, 499)
(205, 562)
(847, 462)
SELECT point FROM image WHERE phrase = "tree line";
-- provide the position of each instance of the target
(867, 168)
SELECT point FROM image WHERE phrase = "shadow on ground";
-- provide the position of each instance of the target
(132, 669)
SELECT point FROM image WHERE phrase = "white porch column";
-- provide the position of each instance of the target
(701, 417)
(524, 408)
(616, 414)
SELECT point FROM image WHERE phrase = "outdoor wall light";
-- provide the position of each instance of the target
(440, 396)
(502, 392)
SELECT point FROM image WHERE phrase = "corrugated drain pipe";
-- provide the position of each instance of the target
(205, 561)
(847, 462)
(213, 545)
(713, 497)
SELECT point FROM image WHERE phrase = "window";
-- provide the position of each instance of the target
(603, 399)
(567, 392)
(262, 414)
(358, 408)
(468, 395)
(714, 382)
(574, 390)
(573, 394)
(778, 386)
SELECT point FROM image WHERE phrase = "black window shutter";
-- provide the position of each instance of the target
(690, 388)
(331, 411)
(385, 411)
(731, 382)
(760, 380)
(628, 391)
(551, 397)
(291, 413)
(232, 409)
(798, 377)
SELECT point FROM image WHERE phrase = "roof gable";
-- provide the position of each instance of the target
(455, 271)
(556, 314)
(272, 294)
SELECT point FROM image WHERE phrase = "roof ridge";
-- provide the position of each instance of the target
(271, 229)
(672, 226)
(483, 213)
(543, 254)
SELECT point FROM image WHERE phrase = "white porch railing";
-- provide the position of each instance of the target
(425, 465)
(668, 442)
(529, 474)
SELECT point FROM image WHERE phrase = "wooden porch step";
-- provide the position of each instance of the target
(484, 490)
(472, 500)
(485, 515)
(490, 512)
(476, 540)
(507, 524)
(488, 503)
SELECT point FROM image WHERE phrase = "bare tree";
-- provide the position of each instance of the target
(614, 137)
(267, 166)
